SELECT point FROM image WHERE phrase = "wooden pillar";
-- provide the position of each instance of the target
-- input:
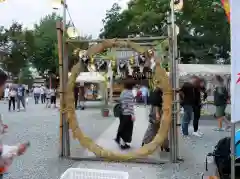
(63, 77)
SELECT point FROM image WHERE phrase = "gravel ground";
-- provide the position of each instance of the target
(40, 126)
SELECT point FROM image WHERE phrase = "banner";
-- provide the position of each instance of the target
(226, 7)
(235, 60)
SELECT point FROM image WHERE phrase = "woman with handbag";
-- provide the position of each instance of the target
(126, 117)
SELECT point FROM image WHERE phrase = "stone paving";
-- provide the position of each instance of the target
(40, 126)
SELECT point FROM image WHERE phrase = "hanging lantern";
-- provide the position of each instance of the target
(132, 61)
(72, 32)
(178, 5)
(56, 4)
(92, 60)
(113, 63)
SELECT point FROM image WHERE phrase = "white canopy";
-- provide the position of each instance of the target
(203, 69)
(93, 77)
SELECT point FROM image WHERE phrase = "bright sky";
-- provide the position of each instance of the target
(87, 15)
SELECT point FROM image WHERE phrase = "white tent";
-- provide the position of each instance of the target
(203, 69)
(93, 77)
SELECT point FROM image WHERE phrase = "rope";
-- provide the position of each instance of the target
(163, 82)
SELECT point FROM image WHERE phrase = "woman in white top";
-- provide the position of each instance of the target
(36, 94)
(53, 96)
(134, 91)
(6, 93)
(12, 98)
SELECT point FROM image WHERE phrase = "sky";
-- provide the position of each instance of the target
(87, 15)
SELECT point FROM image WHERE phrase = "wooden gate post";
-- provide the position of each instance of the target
(63, 77)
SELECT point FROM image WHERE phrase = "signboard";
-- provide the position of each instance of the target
(235, 60)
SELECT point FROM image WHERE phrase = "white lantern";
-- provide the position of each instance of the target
(56, 4)
(178, 5)
(72, 32)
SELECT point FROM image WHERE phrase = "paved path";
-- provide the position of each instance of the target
(40, 126)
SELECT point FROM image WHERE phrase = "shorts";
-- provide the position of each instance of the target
(220, 111)
(53, 99)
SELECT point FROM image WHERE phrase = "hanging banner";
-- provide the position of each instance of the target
(226, 7)
(235, 60)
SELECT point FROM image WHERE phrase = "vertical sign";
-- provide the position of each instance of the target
(235, 60)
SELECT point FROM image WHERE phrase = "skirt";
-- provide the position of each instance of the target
(151, 133)
(125, 128)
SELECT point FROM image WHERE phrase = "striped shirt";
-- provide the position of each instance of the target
(127, 102)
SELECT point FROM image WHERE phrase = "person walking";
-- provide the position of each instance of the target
(200, 96)
(12, 99)
(145, 92)
(221, 98)
(6, 93)
(76, 95)
(42, 94)
(125, 128)
(155, 119)
(187, 97)
(48, 97)
(53, 97)
(20, 96)
(36, 94)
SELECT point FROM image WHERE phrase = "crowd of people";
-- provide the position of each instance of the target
(46, 94)
(19, 94)
(192, 98)
(128, 98)
(15, 94)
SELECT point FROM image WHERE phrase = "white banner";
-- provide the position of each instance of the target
(235, 60)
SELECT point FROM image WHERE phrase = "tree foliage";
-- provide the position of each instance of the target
(204, 30)
(45, 57)
(17, 43)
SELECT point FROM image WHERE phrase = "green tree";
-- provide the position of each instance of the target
(17, 42)
(45, 56)
(25, 76)
(204, 30)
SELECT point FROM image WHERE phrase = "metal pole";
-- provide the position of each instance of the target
(173, 79)
(66, 142)
(171, 136)
(233, 151)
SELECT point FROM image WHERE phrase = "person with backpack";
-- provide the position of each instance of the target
(155, 100)
(127, 118)
(221, 99)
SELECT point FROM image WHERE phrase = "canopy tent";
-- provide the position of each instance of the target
(203, 69)
(93, 77)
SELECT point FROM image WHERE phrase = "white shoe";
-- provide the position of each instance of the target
(196, 134)
(200, 133)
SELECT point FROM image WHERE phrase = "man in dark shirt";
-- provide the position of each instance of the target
(76, 93)
(200, 96)
(188, 99)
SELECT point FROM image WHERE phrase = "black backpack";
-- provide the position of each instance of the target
(155, 97)
(117, 110)
(222, 156)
